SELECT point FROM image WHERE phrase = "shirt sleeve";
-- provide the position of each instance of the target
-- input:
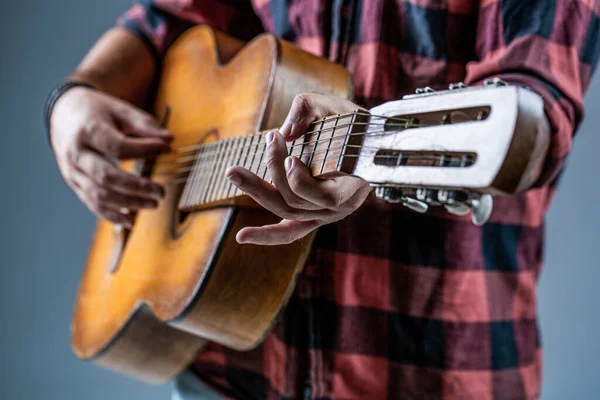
(549, 46)
(159, 22)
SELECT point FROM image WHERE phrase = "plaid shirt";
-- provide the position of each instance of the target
(393, 304)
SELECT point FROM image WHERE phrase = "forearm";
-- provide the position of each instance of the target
(119, 64)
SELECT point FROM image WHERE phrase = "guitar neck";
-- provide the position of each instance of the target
(332, 145)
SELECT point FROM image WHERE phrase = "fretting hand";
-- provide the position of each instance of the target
(303, 203)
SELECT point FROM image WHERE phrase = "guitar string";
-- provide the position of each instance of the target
(399, 156)
(212, 149)
(211, 146)
(183, 169)
(217, 151)
(319, 121)
(207, 158)
(208, 154)
(223, 184)
(236, 193)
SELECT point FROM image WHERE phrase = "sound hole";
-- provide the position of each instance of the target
(181, 216)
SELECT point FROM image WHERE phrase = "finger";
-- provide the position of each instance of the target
(269, 197)
(275, 155)
(115, 217)
(101, 197)
(106, 174)
(355, 201)
(116, 200)
(139, 123)
(308, 107)
(329, 193)
(108, 213)
(284, 232)
(107, 140)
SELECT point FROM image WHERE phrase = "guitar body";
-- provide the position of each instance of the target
(149, 301)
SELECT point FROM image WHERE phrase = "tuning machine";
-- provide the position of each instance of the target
(481, 208)
(495, 82)
(424, 90)
(457, 202)
(460, 203)
(457, 86)
(395, 195)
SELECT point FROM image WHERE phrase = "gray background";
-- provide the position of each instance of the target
(45, 230)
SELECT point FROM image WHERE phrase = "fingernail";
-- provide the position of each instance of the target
(288, 164)
(286, 129)
(239, 237)
(235, 179)
(269, 137)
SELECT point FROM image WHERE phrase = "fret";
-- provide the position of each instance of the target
(185, 194)
(220, 171)
(345, 142)
(193, 183)
(260, 162)
(253, 152)
(242, 150)
(236, 161)
(247, 153)
(246, 150)
(316, 145)
(329, 143)
(302, 149)
(228, 158)
(211, 172)
(293, 147)
(231, 159)
(205, 171)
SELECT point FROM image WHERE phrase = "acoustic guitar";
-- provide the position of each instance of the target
(152, 296)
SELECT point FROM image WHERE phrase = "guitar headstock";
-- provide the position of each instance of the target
(456, 147)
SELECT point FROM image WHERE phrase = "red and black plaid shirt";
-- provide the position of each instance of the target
(393, 304)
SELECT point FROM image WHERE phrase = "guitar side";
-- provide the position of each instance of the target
(182, 279)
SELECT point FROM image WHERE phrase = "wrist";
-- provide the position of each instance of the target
(55, 94)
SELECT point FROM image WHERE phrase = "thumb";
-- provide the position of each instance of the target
(135, 122)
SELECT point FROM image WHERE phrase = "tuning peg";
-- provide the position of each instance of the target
(459, 209)
(482, 209)
(426, 89)
(456, 86)
(495, 82)
(415, 205)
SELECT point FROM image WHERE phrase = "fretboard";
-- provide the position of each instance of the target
(329, 146)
